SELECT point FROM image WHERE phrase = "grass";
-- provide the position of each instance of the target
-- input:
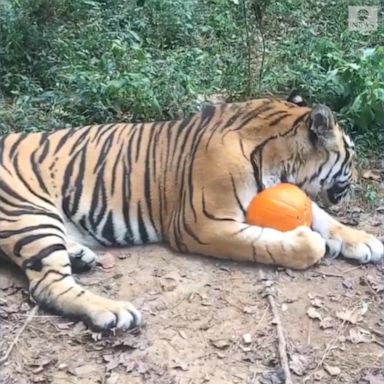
(73, 62)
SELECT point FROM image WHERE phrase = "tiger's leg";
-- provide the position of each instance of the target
(233, 240)
(349, 242)
(82, 258)
(37, 243)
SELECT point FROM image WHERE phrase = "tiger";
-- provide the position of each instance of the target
(187, 183)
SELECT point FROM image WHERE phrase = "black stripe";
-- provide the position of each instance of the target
(142, 229)
(37, 173)
(35, 262)
(278, 119)
(210, 215)
(236, 195)
(18, 173)
(57, 295)
(105, 149)
(253, 114)
(101, 131)
(72, 196)
(257, 162)
(30, 239)
(114, 169)
(139, 132)
(49, 272)
(147, 180)
(108, 232)
(16, 144)
(44, 141)
(70, 132)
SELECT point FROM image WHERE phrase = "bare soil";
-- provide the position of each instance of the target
(200, 314)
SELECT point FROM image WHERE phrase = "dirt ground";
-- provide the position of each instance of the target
(208, 321)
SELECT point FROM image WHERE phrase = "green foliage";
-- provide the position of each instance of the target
(73, 62)
(80, 61)
(313, 51)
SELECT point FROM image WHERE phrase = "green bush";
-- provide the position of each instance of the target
(73, 62)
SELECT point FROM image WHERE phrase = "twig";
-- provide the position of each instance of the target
(350, 269)
(18, 334)
(248, 43)
(375, 331)
(259, 9)
(379, 343)
(281, 337)
(330, 274)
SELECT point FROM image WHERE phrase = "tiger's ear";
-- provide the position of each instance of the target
(295, 98)
(322, 122)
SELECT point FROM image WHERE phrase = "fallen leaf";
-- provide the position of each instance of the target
(377, 286)
(352, 316)
(78, 328)
(317, 303)
(142, 367)
(371, 174)
(359, 335)
(129, 342)
(276, 376)
(349, 283)
(178, 364)
(299, 364)
(85, 370)
(313, 313)
(107, 260)
(182, 334)
(114, 360)
(319, 375)
(43, 362)
(129, 365)
(331, 370)
(220, 343)
(123, 255)
(327, 323)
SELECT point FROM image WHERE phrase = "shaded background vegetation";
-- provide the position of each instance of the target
(73, 62)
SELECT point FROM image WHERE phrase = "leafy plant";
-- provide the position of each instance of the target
(73, 62)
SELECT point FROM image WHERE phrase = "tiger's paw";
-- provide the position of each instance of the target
(108, 315)
(363, 247)
(305, 247)
(82, 258)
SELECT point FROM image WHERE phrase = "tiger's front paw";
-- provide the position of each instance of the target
(361, 246)
(304, 247)
(82, 258)
(104, 314)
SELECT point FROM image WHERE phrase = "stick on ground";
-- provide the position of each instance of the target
(18, 334)
(281, 337)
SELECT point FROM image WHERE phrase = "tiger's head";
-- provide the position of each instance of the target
(326, 156)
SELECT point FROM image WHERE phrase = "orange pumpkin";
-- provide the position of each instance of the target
(283, 207)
